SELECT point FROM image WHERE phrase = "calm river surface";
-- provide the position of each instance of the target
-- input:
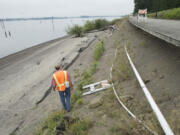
(24, 34)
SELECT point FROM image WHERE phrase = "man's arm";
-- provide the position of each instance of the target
(53, 83)
(70, 82)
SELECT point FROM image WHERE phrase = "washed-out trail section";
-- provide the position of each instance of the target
(25, 77)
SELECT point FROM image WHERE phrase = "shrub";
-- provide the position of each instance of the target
(101, 23)
(75, 30)
(89, 25)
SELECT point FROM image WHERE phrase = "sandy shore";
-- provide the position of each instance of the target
(25, 78)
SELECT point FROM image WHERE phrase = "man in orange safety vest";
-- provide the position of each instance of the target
(62, 82)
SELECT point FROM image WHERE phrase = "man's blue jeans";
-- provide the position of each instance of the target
(65, 97)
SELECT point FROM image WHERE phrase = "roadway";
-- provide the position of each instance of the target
(168, 30)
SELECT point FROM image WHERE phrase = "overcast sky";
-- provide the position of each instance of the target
(39, 8)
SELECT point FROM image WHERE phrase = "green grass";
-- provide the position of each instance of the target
(80, 127)
(49, 126)
(85, 79)
(80, 101)
(98, 52)
(58, 124)
(76, 96)
(94, 68)
(167, 14)
(87, 76)
(122, 69)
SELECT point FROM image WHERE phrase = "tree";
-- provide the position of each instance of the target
(155, 5)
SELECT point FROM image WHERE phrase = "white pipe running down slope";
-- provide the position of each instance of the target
(130, 113)
(159, 115)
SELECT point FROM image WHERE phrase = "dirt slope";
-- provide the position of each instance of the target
(157, 62)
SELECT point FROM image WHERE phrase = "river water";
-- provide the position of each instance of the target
(18, 35)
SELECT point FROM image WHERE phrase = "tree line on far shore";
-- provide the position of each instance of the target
(155, 5)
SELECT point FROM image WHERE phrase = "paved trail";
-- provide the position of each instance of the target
(168, 30)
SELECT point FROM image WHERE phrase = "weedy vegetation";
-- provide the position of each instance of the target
(50, 125)
(99, 50)
(122, 69)
(97, 24)
(89, 26)
(167, 14)
(94, 68)
(80, 127)
(87, 76)
(58, 124)
(75, 30)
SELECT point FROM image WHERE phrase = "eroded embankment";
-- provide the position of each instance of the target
(158, 64)
(31, 78)
(154, 60)
(67, 62)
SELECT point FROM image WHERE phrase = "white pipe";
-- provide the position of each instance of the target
(130, 113)
(159, 115)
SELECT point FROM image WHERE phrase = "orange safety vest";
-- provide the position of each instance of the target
(61, 79)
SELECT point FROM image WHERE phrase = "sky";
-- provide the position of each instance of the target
(45, 8)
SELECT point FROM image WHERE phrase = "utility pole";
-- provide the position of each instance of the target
(53, 23)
